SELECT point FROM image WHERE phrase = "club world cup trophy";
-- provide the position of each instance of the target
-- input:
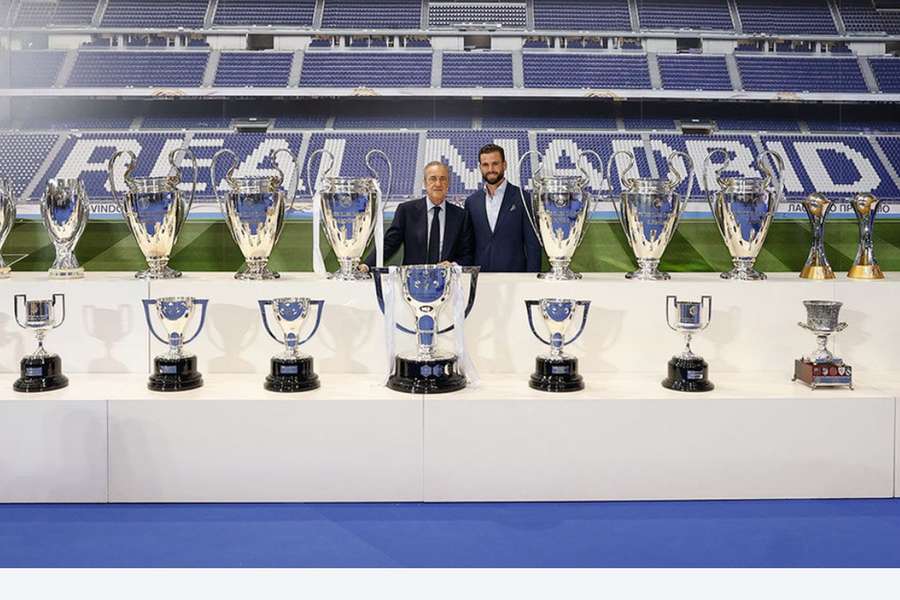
(65, 209)
(817, 207)
(351, 210)
(865, 265)
(822, 368)
(41, 371)
(426, 290)
(649, 213)
(560, 208)
(743, 208)
(556, 371)
(155, 210)
(175, 370)
(7, 218)
(292, 371)
(687, 371)
(254, 209)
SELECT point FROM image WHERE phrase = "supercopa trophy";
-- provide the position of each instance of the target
(560, 205)
(175, 370)
(817, 208)
(41, 371)
(822, 368)
(688, 372)
(254, 209)
(650, 212)
(352, 211)
(7, 218)
(155, 210)
(426, 289)
(865, 265)
(65, 209)
(292, 371)
(556, 371)
(743, 208)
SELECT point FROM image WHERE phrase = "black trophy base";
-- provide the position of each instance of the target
(559, 375)
(41, 374)
(435, 376)
(831, 374)
(292, 375)
(175, 374)
(688, 375)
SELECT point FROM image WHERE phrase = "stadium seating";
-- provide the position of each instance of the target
(597, 71)
(506, 14)
(21, 155)
(381, 121)
(685, 14)
(692, 72)
(34, 13)
(459, 150)
(369, 69)
(44, 123)
(477, 69)
(649, 122)
(257, 147)
(887, 73)
(797, 16)
(796, 74)
(163, 68)
(561, 152)
(308, 121)
(891, 147)
(34, 69)
(164, 13)
(756, 124)
(363, 14)
(175, 123)
(401, 148)
(253, 69)
(296, 13)
(582, 15)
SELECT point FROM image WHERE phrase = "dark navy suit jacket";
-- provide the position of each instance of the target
(409, 229)
(512, 245)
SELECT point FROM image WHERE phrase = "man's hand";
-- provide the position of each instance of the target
(363, 268)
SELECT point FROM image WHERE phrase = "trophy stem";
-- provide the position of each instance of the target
(65, 266)
(817, 265)
(4, 269)
(743, 270)
(40, 352)
(256, 269)
(648, 270)
(559, 271)
(158, 269)
(688, 353)
(822, 354)
(349, 270)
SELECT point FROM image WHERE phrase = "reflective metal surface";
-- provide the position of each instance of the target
(557, 315)
(65, 209)
(817, 207)
(40, 316)
(822, 319)
(865, 265)
(175, 313)
(689, 317)
(7, 218)
(291, 315)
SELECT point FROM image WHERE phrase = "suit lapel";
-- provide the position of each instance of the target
(508, 205)
(451, 225)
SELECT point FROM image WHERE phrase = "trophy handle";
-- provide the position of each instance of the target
(376, 174)
(707, 302)
(585, 306)
(587, 176)
(309, 181)
(16, 308)
(708, 161)
(709, 193)
(190, 203)
(320, 305)
(689, 174)
(148, 302)
(531, 214)
(670, 302)
(128, 171)
(262, 309)
(214, 181)
(778, 163)
(473, 286)
(623, 183)
(295, 176)
(62, 302)
(379, 294)
(203, 304)
(529, 305)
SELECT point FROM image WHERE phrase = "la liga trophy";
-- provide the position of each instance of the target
(688, 372)
(291, 371)
(65, 209)
(822, 368)
(7, 218)
(557, 371)
(176, 370)
(41, 371)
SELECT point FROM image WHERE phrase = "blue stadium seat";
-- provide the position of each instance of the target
(586, 71)
(693, 72)
(162, 68)
(477, 69)
(369, 69)
(253, 69)
(295, 13)
(685, 14)
(363, 14)
(800, 74)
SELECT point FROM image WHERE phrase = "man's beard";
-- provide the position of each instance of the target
(493, 179)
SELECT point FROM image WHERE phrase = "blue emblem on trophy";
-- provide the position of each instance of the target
(556, 371)
(175, 370)
(426, 290)
(292, 371)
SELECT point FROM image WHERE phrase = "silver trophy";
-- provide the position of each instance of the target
(560, 206)
(7, 218)
(350, 209)
(650, 211)
(556, 371)
(155, 210)
(41, 371)
(65, 208)
(688, 372)
(254, 209)
(291, 371)
(176, 370)
(817, 207)
(822, 368)
(865, 265)
(743, 208)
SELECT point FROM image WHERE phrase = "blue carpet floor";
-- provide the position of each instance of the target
(838, 533)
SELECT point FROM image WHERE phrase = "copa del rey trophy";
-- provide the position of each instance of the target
(822, 368)
(175, 370)
(41, 371)
(426, 289)
(688, 372)
(292, 371)
(7, 218)
(556, 371)
(65, 209)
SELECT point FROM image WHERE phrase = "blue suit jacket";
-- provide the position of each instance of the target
(512, 245)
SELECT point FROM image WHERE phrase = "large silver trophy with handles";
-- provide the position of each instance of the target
(351, 208)
(65, 209)
(649, 212)
(556, 371)
(176, 370)
(743, 208)
(41, 371)
(560, 212)
(7, 218)
(155, 210)
(254, 209)
(822, 368)
(291, 371)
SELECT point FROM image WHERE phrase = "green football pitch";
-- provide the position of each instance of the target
(697, 246)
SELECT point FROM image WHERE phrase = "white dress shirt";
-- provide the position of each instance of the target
(492, 203)
(442, 220)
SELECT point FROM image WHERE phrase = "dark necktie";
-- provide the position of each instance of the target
(434, 238)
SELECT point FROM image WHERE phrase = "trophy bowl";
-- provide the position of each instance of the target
(7, 218)
(65, 210)
(821, 367)
(556, 371)
(40, 371)
(291, 371)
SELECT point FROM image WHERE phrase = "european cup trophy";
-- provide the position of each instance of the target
(426, 290)
(822, 368)
(559, 212)
(41, 371)
(155, 210)
(175, 370)
(743, 208)
(817, 207)
(352, 210)
(649, 213)
(688, 372)
(865, 265)
(292, 371)
(7, 218)
(556, 371)
(254, 209)
(65, 209)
